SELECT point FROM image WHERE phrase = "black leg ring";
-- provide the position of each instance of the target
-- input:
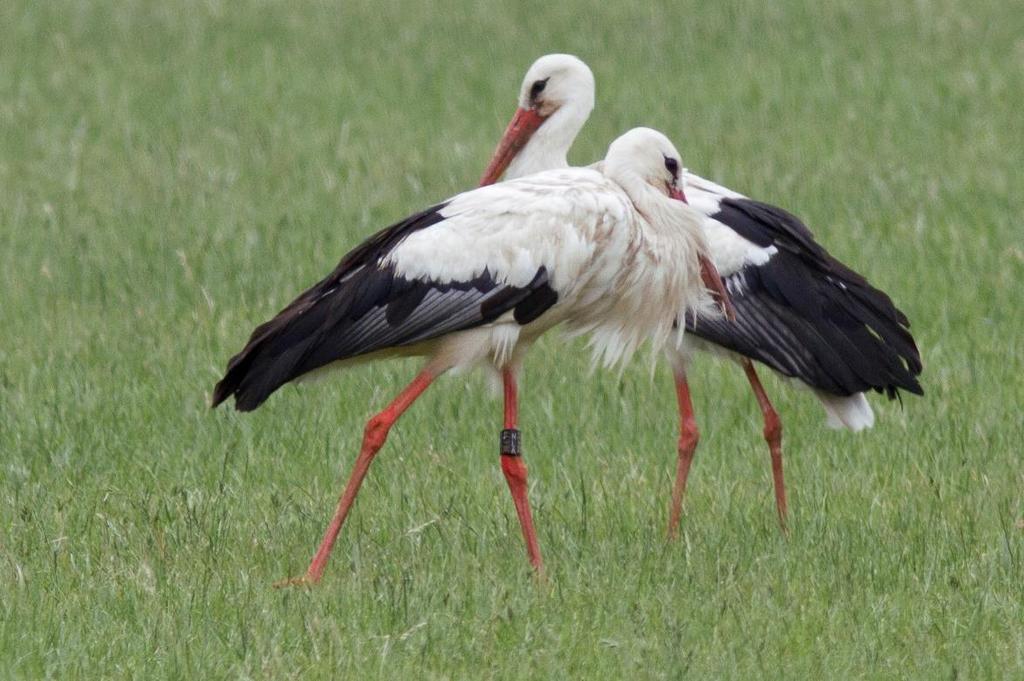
(511, 442)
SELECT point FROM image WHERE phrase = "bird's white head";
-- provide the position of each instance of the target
(647, 156)
(555, 100)
(556, 81)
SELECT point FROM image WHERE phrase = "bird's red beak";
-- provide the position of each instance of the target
(713, 282)
(519, 131)
(677, 194)
(708, 272)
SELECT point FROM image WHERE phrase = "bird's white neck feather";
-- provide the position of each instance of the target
(657, 280)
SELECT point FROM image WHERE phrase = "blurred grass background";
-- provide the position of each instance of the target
(172, 173)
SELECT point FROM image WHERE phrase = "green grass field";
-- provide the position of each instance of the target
(173, 173)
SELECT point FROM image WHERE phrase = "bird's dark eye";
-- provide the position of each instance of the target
(672, 166)
(538, 87)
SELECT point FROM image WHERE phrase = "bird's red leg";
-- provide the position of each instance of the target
(515, 470)
(773, 435)
(374, 435)
(689, 435)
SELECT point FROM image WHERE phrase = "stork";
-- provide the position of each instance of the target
(797, 309)
(477, 279)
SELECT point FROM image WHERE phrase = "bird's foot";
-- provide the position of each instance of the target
(303, 581)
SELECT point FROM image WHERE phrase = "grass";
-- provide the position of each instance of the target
(172, 173)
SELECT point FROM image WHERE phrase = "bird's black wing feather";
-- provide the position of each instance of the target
(768, 225)
(365, 306)
(809, 316)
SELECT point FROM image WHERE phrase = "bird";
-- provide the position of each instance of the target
(793, 306)
(476, 279)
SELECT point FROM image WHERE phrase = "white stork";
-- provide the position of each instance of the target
(796, 308)
(478, 278)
